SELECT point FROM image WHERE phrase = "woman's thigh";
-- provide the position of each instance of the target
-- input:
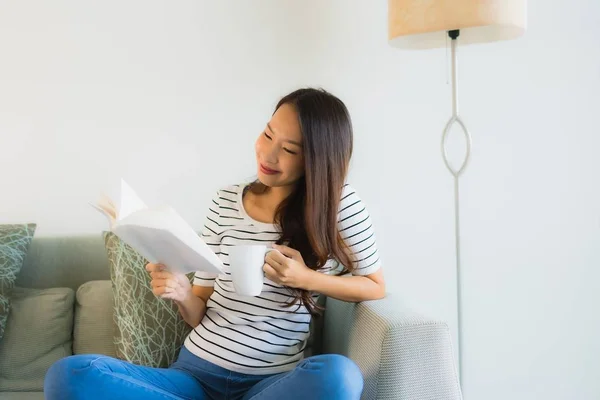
(326, 376)
(94, 376)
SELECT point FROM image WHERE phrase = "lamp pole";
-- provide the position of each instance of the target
(456, 173)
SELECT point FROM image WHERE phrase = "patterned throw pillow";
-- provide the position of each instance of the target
(14, 243)
(149, 330)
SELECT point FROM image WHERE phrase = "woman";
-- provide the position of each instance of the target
(252, 347)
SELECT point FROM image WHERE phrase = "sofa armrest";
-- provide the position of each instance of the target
(401, 354)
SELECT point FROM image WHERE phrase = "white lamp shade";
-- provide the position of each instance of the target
(424, 24)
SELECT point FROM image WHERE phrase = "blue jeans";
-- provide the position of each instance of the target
(90, 377)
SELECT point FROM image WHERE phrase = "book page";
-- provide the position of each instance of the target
(162, 236)
(129, 201)
(108, 209)
(159, 234)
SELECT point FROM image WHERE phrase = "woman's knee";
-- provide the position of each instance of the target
(62, 374)
(68, 364)
(344, 373)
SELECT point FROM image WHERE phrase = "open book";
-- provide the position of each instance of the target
(158, 233)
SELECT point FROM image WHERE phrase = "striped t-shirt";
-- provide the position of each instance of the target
(259, 335)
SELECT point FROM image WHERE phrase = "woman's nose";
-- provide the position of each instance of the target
(271, 155)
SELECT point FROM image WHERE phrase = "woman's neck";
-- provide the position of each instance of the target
(273, 196)
(263, 205)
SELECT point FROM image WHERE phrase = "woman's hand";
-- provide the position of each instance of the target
(167, 285)
(286, 267)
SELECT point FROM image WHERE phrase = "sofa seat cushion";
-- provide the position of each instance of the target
(38, 333)
(21, 396)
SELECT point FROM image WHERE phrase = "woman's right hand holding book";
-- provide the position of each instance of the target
(168, 285)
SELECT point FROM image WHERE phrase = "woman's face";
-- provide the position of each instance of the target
(279, 156)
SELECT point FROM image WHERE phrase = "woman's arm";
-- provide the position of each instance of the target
(193, 308)
(286, 267)
(191, 300)
(347, 288)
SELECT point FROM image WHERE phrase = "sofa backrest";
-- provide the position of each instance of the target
(70, 261)
(64, 261)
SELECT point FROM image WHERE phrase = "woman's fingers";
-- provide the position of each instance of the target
(161, 275)
(172, 283)
(169, 296)
(288, 251)
(274, 259)
(169, 283)
(172, 296)
(271, 273)
(151, 267)
(166, 286)
(166, 292)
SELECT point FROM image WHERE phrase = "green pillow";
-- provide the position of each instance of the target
(93, 330)
(38, 333)
(14, 243)
(148, 330)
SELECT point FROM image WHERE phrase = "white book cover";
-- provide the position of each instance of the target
(159, 234)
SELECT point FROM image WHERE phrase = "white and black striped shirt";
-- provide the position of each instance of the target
(258, 335)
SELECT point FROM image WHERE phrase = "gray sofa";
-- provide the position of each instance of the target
(402, 355)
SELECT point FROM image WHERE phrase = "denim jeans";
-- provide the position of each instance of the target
(92, 376)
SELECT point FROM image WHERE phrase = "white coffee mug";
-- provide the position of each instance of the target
(246, 263)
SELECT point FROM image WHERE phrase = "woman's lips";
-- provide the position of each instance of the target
(267, 171)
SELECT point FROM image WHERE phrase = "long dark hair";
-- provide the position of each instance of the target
(308, 217)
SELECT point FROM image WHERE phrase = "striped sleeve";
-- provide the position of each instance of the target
(356, 228)
(210, 235)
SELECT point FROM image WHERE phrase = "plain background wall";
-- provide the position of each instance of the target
(171, 96)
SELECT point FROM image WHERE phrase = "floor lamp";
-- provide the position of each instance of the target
(427, 24)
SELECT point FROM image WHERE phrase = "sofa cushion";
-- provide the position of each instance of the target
(14, 243)
(21, 396)
(149, 330)
(93, 330)
(38, 333)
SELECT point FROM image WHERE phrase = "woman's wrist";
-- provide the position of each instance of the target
(190, 301)
(311, 280)
(192, 309)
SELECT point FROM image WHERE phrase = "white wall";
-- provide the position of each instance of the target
(170, 95)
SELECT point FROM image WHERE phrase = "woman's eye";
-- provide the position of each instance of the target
(268, 137)
(289, 151)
